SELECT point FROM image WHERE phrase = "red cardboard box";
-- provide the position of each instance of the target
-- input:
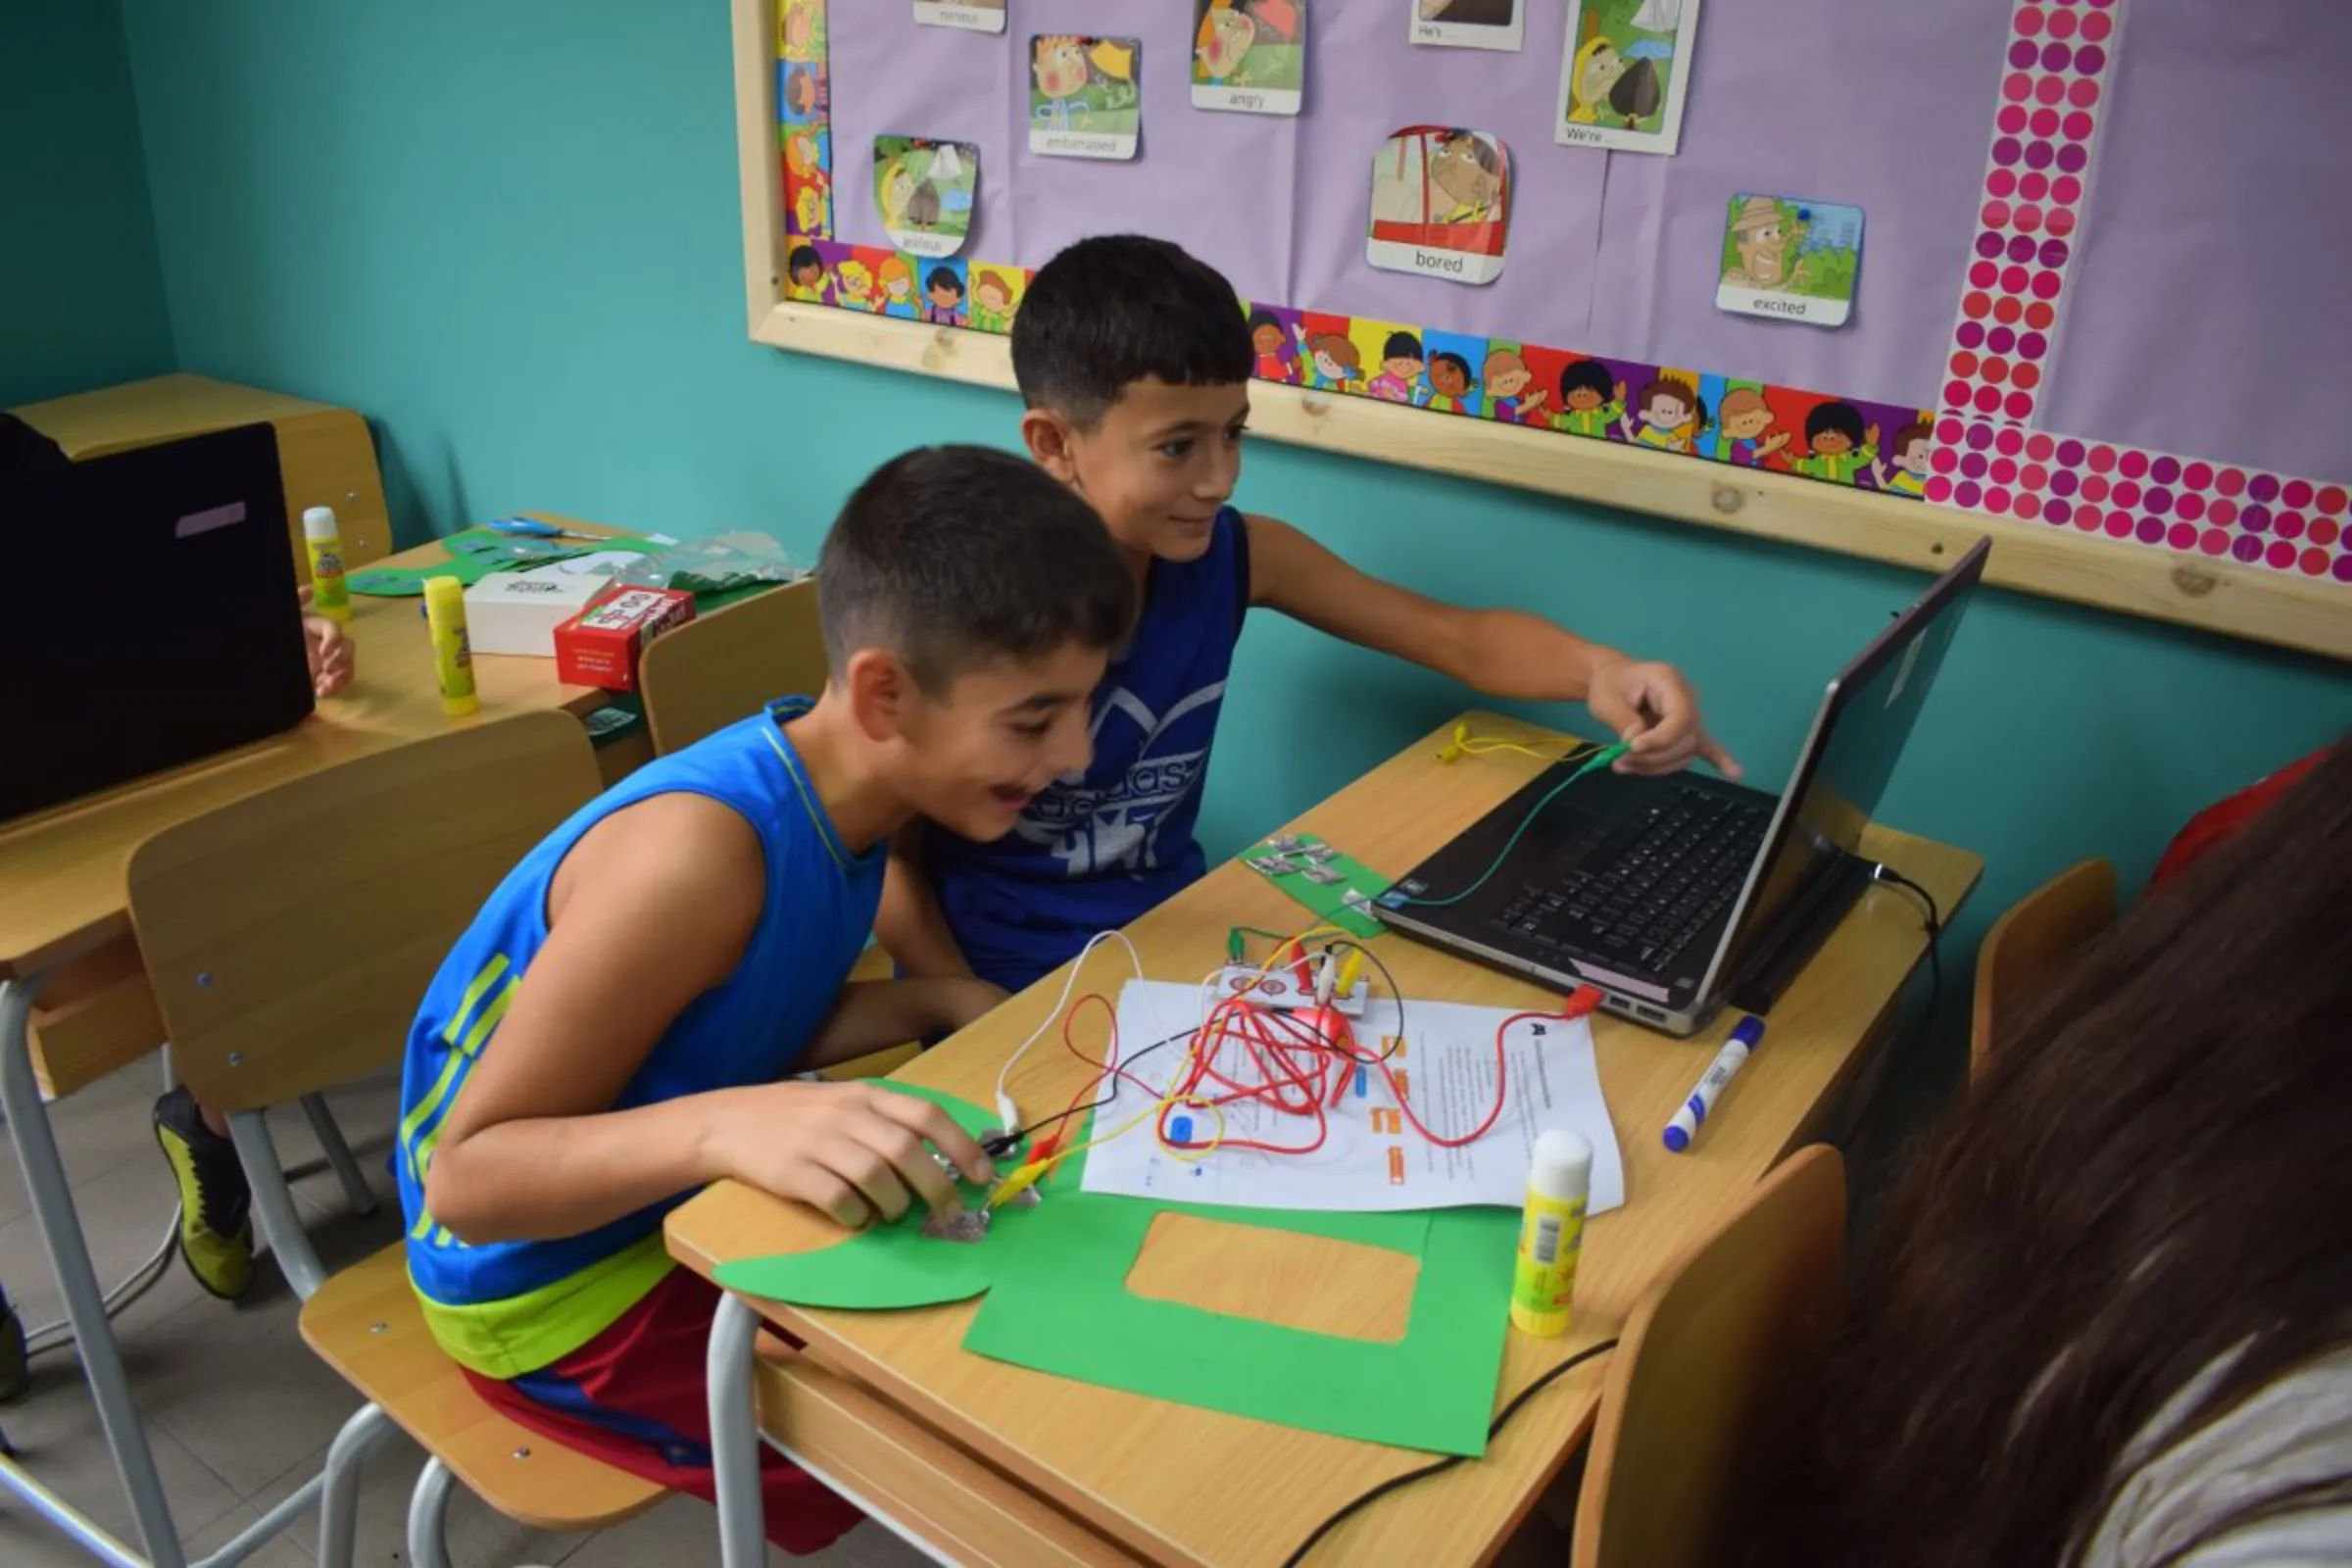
(602, 644)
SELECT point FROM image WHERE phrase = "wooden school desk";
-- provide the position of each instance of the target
(985, 1463)
(61, 908)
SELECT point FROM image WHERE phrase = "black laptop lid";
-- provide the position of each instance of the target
(1858, 737)
(155, 621)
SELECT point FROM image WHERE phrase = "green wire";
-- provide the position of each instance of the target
(1600, 760)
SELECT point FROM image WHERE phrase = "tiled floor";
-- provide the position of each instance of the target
(238, 1411)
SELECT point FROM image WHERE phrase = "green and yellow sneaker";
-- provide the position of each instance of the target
(216, 1206)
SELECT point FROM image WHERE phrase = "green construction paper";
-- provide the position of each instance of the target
(474, 554)
(1326, 898)
(1062, 1306)
(894, 1266)
(1058, 1301)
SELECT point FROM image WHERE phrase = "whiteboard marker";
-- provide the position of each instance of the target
(1686, 1123)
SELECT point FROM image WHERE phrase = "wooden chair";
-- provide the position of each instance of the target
(288, 955)
(1752, 1306)
(2030, 945)
(710, 672)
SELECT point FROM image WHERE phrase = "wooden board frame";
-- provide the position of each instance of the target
(2219, 595)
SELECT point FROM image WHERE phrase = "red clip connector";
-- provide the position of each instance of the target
(1581, 1003)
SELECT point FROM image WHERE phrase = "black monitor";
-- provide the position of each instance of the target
(153, 614)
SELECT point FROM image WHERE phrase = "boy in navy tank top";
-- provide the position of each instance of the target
(1134, 359)
(614, 1030)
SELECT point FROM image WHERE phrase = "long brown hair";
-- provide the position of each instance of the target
(2153, 1174)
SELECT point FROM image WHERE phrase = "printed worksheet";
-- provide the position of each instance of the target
(1440, 1061)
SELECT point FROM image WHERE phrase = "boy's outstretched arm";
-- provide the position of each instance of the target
(910, 925)
(1503, 653)
(653, 907)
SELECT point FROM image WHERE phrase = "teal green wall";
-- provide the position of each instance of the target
(81, 296)
(510, 233)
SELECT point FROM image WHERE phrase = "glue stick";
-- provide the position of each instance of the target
(1551, 1232)
(329, 596)
(452, 656)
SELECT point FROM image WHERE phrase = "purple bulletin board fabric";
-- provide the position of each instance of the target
(1614, 254)
(2206, 315)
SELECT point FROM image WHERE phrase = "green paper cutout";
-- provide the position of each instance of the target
(1062, 1306)
(474, 554)
(889, 1267)
(1058, 1301)
(1327, 900)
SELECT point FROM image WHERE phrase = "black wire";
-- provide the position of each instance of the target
(1003, 1142)
(1365, 1500)
(1887, 873)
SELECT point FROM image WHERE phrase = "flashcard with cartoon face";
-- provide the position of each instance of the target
(1441, 204)
(925, 191)
(1250, 56)
(1085, 96)
(1790, 260)
(1624, 71)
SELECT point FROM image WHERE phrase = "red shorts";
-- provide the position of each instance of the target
(636, 1397)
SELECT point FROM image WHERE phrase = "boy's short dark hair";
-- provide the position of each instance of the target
(802, 258)
(944, 277)
(1110, 311)
(1842, 417)
(951, 556)
(1402, 346)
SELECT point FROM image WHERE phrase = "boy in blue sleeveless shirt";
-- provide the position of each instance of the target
(1134, 358)
(610, 1033)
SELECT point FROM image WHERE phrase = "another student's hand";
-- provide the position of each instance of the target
(1652, 707)
(332, 657)
(856, 1152)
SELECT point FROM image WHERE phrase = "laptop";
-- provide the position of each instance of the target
(155, 616)
(1673, 895)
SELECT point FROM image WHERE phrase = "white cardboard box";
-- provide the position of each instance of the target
(518, 611)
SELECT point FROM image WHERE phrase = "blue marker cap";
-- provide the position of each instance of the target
(1677, 1140)
(1749, 1032)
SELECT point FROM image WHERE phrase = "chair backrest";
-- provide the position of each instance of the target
(1753, 1307)
(722, 668)
(288, 951)
(2030, 945)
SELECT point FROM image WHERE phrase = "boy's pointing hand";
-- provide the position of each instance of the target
(1652, 709)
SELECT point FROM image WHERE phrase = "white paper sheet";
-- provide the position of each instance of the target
(1370, 1160)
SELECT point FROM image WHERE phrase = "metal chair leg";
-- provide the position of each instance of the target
(356, 1190)
(273, 1208)
(339, 1499)
(735, 1436)
(429, 1516)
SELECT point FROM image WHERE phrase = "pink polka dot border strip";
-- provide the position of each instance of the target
(2249, 515)
(1988, 457)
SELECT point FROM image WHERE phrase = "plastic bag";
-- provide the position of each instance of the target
(723, 563)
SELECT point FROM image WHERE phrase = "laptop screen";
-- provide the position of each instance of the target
(1857, 739)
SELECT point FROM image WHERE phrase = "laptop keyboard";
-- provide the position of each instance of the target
(1643, 887)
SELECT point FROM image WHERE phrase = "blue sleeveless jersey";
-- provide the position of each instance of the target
(1095, 852)
(505, 1308)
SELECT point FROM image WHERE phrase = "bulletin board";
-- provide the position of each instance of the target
(2023, 270)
